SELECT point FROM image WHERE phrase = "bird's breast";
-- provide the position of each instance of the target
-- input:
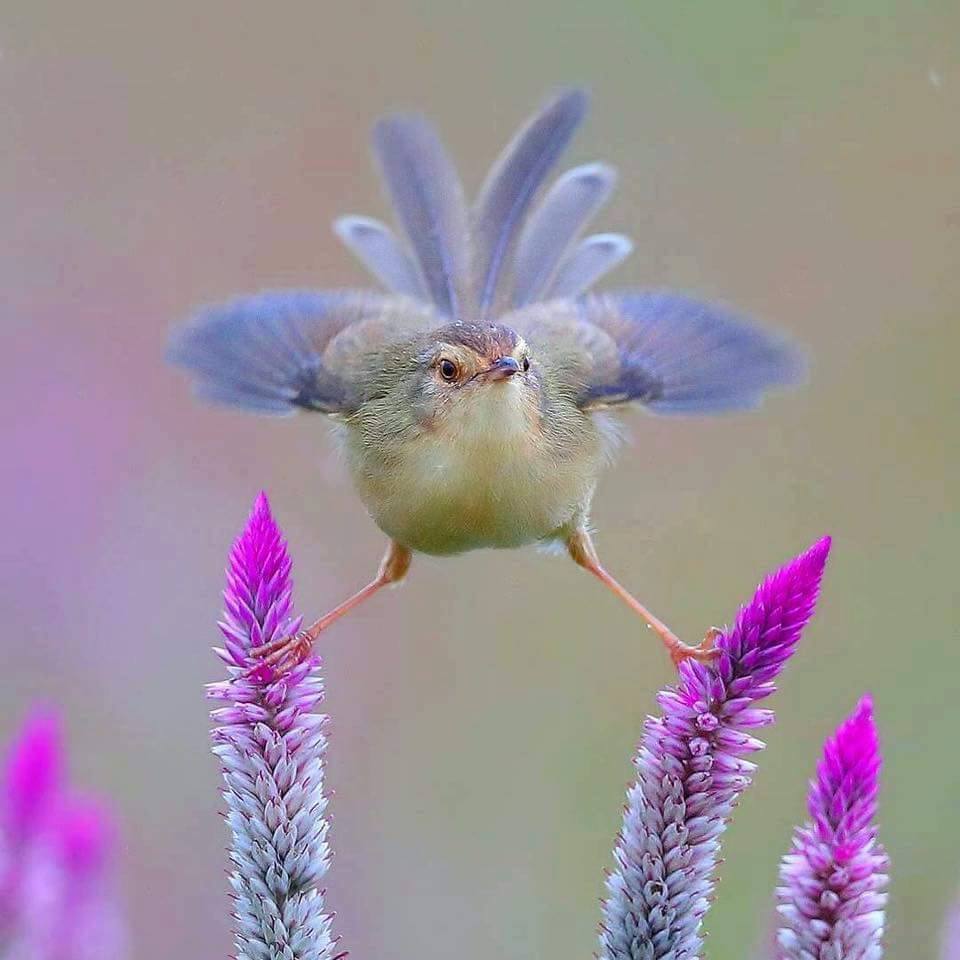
(483, 476)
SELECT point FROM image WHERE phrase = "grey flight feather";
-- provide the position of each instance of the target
(511, 186)
(277, 353)
(428, 200)
(681, 355)
(666, 351)
(588, 262)
(555, 224)
(376, 247)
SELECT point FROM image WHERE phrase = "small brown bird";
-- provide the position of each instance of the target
(473, 398)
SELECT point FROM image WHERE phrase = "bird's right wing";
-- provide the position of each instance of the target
(276, 353)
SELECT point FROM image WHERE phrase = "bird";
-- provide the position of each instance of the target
(475, 394)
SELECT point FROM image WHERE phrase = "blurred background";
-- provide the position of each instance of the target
(799, 160)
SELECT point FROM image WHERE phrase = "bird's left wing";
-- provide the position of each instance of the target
(669, 352)
(276, 353)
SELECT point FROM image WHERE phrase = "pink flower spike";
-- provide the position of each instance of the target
(34, 774)
(950, 937)
(85, 834)
(259, 596)
(691, 770)
(833, 882)
(270, 743)
(57, 886)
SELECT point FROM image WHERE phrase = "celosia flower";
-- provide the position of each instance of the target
(691, 770)
(270, 744)
(34, 775)
(950, 937)
(57, 896)
(831, 897)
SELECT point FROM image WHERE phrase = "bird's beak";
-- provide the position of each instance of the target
(502, 369)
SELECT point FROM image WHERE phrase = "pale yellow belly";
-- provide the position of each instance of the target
(440, 497)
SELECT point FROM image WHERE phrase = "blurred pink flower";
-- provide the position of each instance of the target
(950, 936)
(34, 771)
(270, 745)
(832, 893)
(57, 889)
(691, 771)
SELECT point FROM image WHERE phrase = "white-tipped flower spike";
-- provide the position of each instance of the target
(950, 937)
(691, 768)
(270, 744)
(832, 893)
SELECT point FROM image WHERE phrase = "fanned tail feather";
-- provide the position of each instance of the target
(555, 224)
(428, 199)
(376, 247)
(588, 262)
(511, 186)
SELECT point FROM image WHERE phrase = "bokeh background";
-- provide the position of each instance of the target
(800, 160)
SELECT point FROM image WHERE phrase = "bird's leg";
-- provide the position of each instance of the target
(284, 653)
(583, 552)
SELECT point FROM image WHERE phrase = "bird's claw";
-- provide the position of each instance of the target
(704, 652)
(279, 656)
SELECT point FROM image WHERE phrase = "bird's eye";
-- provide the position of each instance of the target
(448, 369)
(525, 364)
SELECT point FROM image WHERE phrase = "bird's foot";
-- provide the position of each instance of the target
(704, 652)
(281, 655)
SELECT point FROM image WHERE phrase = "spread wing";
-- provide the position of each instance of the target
(276, 353)
(666, 351)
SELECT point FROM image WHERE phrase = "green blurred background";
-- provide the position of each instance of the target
(800, 160)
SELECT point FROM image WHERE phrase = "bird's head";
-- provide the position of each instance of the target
(467, 377)
(479, 375)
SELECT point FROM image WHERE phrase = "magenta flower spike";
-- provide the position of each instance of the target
(270, 744)
(831, 897)
(57, 886)
(691, 768)
(950, 936)
(34, 775)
